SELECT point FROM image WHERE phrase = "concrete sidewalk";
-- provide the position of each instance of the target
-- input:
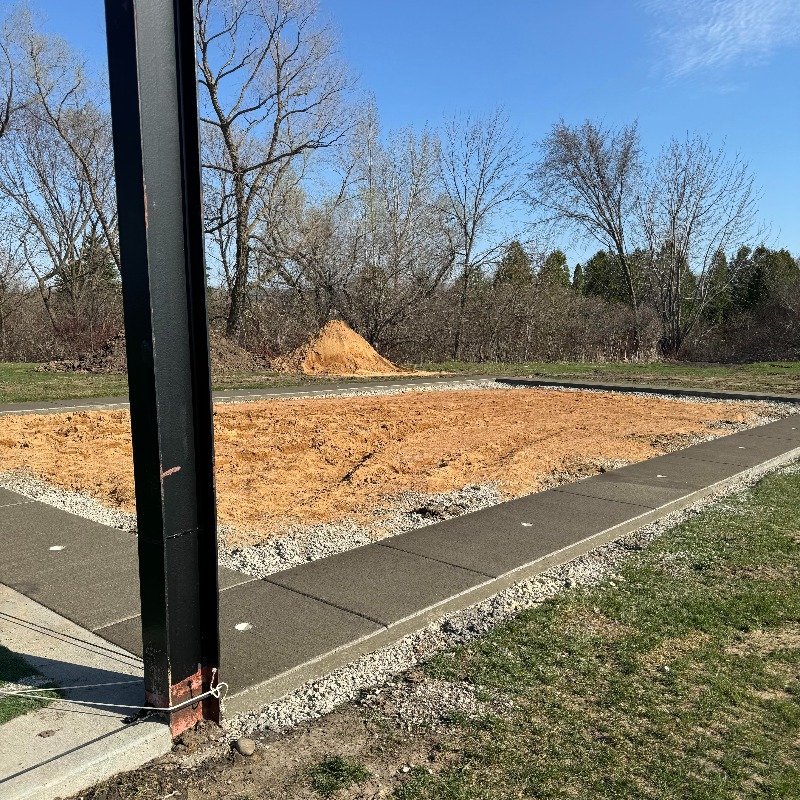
(64, 747)
(307, 621)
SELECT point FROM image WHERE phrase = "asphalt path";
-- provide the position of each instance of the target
(233, 395)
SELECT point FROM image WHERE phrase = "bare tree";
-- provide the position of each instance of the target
(697, 203)
(12, 284)
(479, 173)
(62, 97)
(587, 179)
(14, 30)
(273, 93)
(56, 182)
(377, 248)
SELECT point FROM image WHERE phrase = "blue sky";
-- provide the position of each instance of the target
(726, 68)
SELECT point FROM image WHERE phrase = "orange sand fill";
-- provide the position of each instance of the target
(305, 461)
(336, 350)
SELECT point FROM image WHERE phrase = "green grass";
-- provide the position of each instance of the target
(12, 669)
(682, 679)
(336, 773)
(22, 382)
(776, 376)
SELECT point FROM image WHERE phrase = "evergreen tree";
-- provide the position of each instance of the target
(720, 293)
(554, 271)
(781, 270)
(742, 279)
(577, 279)
(515, 267)
(92, 270)
(602, 277)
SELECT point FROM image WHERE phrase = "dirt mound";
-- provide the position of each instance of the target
(336, 350)
(226, 357)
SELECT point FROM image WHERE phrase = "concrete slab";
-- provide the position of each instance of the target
(84, 744)
(36, 527)
(610, 487)
(280, 631)
(502, 538)
(674, 470)
(740, 450)
(294, 630)
(379, 583)
(93, 580)
(787, 428)
(8, 498)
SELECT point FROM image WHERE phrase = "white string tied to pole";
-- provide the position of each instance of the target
(218, 690)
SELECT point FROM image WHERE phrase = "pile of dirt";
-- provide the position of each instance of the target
(336, 350)
(226, 358)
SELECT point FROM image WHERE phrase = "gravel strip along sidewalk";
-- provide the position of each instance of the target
(373, 671)
(303, 543)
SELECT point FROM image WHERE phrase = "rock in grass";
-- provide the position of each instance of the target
(245, 746)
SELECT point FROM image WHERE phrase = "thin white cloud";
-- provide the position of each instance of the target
(703, 34)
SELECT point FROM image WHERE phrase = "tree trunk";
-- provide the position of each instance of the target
(234, 326)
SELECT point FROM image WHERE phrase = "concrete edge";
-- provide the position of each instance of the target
(101, 759)
(281, 685)
(675, 391)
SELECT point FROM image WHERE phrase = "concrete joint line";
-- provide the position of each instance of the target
(388, 544)
(567, 490)
(246, 579)
(325, 602)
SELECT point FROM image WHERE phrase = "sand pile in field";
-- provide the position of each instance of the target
(306, 461)
(226, 358)
(336, 350)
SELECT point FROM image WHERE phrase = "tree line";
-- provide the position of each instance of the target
(435, 244)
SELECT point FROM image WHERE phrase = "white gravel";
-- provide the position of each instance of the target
(310, 542)
(79, 503)
(377, 669)
(429, 703)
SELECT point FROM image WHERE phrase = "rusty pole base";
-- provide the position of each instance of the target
(205, 709)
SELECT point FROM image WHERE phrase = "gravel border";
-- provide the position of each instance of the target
(300, 544)
(413, 509)
(376, 670)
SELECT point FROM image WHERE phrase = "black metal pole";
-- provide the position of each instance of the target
(153, 80)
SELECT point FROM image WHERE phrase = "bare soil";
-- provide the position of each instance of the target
(336, 350)
(292, 462)
(200, 768)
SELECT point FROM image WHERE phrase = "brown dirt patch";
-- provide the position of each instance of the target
(586, 622)
(305, 461)
(674, 648)
(336, 350)
(280, 766)
(763, 643)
